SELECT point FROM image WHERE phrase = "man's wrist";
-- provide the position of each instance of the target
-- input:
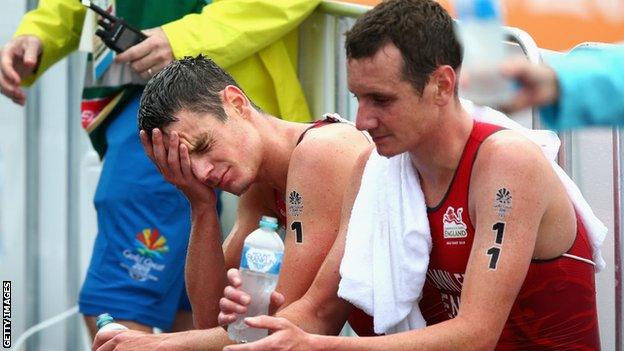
(553, 85)
(203, 208)
(546, 86)
(319, 342)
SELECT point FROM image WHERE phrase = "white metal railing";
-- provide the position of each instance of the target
(617, 233)
(618, 158)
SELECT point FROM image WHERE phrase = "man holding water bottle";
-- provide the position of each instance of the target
(510, 265)
(260, 265)
(202, 131)
(136, 272)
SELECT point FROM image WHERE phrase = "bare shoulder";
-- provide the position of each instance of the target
(511, 166)
(360, 164)
(510, 150)
(356, 174)
(335, 146)
(335, 135)
(508, 160)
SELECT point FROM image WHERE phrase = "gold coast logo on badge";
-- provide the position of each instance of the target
(151, 243)
(143, 263)
(454, 226)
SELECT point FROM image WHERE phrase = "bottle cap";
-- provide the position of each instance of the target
(485, 9)
(268, 222)
(477, 9)
(103, 320)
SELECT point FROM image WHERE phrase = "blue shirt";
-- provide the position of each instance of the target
(591, 88)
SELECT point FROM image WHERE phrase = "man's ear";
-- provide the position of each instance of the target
(234, 98)
(445, 80)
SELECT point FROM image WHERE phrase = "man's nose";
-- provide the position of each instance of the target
(365, 119)
(201, 169)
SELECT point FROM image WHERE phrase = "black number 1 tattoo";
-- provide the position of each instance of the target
(298, 228)
(494, 252)
(500, 231)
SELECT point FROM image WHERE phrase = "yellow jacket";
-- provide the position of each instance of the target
(254, 40)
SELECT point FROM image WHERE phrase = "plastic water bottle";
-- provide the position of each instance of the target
(261, 261)
(481, 34)
(106, 322)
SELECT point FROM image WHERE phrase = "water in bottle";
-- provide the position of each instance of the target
(106, 322)
(481, 34)
(259, 268)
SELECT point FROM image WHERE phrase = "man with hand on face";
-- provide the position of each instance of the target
(203, 132)
(136, 271)
(510, 265)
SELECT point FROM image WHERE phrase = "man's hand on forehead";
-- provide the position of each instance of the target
(146, 141)
(174, 162)
(193, 144)
(165, 134)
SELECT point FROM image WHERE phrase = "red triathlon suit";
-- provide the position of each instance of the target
(556, 306)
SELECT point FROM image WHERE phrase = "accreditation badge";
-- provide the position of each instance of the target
(102, 56)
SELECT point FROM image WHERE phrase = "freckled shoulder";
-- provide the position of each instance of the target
(330, 150)
(333, 138)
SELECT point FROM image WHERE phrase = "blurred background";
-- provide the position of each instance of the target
(48, 170)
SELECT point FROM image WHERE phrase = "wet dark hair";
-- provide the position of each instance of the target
(422, 31)
(191, 83)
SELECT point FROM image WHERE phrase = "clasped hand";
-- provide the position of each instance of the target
(284, 335)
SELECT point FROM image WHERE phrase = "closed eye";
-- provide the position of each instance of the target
(206, 146)
(203, 143)
(381, 99)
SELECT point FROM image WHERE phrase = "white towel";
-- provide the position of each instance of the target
(383, 274)
(388, 240)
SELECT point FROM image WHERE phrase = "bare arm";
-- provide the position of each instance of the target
(203, 269)
(251, 207)
(130, 340)
(315, 193)
(319, 172)
(205, 266)
(320, 310)
(488, 294)
(490, 286)
(204, 257)
(205, 262)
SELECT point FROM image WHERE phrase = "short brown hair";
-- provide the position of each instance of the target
(421, 29)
